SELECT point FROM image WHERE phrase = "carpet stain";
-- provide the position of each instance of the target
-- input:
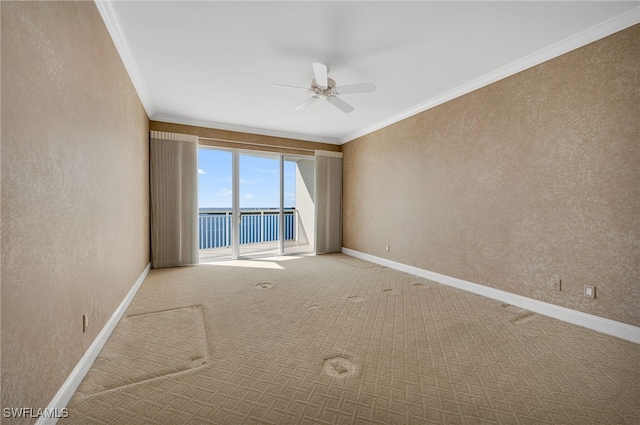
(338, 367)
(523, 317)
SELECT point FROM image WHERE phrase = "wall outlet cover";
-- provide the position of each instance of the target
(589, 291)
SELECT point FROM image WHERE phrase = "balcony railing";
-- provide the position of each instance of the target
(256, 226)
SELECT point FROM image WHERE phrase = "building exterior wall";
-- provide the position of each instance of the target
(305, 187)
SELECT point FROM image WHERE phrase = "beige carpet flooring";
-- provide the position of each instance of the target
(335, 340)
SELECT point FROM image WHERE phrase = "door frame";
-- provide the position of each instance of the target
(235, 201)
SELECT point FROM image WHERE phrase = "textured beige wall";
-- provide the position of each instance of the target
(533, 177)
(75, 230)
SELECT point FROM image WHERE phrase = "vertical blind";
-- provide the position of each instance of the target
(174, 199)
(328, 202)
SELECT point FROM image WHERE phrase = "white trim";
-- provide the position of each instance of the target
(329, 153)
(596, 323)
(315, 206)
(597, 32)
(235, 204)
(119, 39)
(69, 387)
(281, 206)
(175, 119)
(601, 30)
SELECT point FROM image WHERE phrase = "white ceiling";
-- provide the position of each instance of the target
(210, 63)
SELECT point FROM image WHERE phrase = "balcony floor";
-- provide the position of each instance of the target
(264, 248)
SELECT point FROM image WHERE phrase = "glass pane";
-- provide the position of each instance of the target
(259, 204)
(299, 210)
(215, 203)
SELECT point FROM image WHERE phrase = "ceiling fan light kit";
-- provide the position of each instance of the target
(324, 87)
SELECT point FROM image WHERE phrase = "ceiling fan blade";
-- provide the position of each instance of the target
(356, 88)
(340, 104)
(289, 87)
(307, 102)
(320, 74)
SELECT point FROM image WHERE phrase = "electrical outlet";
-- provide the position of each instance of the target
(589, 291)
(555, 283)
(85, 323)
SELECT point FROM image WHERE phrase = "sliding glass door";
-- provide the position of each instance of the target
(259, 199)
(215, 202)
(254, 203)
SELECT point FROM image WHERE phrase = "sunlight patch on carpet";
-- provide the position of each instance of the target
(247, 264)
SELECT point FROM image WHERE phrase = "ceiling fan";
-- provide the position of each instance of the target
(324, 87)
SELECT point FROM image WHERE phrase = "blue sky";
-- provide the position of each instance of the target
(259, 181)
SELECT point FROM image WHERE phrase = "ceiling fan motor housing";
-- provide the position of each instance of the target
(326, 92)
(330, 92)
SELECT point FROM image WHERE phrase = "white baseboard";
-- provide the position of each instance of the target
(69, 387)
(600, 324)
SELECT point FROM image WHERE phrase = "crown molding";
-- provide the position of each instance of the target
(175, 119)
(595, 33)
(110, 19)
